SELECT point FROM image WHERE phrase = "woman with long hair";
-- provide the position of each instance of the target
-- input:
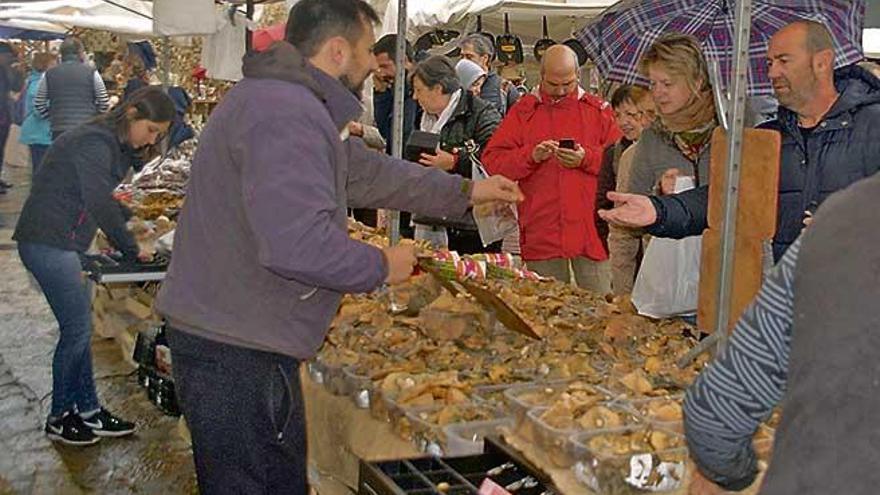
(71, 196)
(36, 132)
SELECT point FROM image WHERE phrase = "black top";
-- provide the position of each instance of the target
(72, 193)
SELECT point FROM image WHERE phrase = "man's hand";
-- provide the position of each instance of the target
(631, 210)
(496, 188)
(667, 181)
(145, 255)
(442, 160)
(544, 150)
(702, 486)
(571, 158)
(356, 129)
(401, 259)
(380, 84)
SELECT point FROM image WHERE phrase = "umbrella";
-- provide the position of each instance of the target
(616, 39)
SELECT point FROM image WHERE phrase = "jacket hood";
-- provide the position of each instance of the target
(283, 62)
(856, 86)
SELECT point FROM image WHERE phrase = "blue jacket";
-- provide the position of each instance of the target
(35, 129)
(842, 149)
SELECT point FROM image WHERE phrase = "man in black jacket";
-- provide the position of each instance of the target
(830, 126)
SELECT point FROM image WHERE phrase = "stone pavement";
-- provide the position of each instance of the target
(155, 460)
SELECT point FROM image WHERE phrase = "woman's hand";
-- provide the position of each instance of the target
(442, 160)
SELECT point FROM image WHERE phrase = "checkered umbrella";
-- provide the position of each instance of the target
(616, 40)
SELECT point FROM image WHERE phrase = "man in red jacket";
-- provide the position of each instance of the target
(552, 142)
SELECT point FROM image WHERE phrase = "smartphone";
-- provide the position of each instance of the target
(566, 144)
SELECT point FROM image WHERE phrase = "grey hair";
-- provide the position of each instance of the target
(438, 70)
(480, 44)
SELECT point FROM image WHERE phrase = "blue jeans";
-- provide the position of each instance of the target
(245, 412)
(38, 151)
(59, 273)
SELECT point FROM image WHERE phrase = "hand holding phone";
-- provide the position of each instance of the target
(567, 144)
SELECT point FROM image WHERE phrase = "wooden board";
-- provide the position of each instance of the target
(756, 222)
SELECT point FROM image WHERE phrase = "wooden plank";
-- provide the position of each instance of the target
(756, 222)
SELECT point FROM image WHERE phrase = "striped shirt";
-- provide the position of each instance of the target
(42, 101)
(728, 401)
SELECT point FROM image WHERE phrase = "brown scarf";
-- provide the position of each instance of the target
(698, 112)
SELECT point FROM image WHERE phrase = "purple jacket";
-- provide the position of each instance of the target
(262, 255)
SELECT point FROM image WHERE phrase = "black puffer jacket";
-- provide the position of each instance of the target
(474, 119)
(842, 149)
(72, 193)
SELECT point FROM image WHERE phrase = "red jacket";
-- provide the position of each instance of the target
(557, 217)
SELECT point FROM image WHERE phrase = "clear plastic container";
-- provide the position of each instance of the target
(359, 387)
(334, 379)
(467, 438)
(494, 395)
(522, 398)
(316, 371)
(635, 472)
(554, 440)
(662, 411)
(429, 436)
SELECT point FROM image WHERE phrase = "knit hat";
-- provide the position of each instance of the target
(468, 72)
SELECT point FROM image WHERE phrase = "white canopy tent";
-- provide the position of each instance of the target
(871, 42)
(133, 17)
(563, 16)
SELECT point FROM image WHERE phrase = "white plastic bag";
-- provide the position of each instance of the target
(668, 281)
(495, 221)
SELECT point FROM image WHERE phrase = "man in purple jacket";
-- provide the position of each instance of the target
(262, 256)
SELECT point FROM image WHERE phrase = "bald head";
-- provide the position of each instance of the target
(559, 71)
(559, 58)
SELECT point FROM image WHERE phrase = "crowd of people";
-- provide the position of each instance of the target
(286, 156)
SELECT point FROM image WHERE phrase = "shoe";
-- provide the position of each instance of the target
(105, 424)
(70, 429)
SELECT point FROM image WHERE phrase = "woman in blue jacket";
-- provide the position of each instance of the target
(35, 130)
(71, 196)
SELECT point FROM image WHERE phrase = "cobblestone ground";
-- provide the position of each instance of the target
(155, 460)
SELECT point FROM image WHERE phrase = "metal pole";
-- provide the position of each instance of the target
(166, 62)
(397, 118)
(734, 158)
(248, 35)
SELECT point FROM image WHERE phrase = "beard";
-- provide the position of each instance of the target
(356, 87)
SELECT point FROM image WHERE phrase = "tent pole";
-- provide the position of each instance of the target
(248, 35)
(397, 119)
(734, 154)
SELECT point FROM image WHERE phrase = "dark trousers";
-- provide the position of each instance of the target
(4, 135)
(245, 412)
(469, 242)
(38, 151)
(59, 273)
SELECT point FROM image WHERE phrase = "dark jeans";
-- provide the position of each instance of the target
(59, 273)
(245, 412)
(38, 151)
(5, 124)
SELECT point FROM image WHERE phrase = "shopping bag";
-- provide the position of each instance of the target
(669, 278)
(495, 221)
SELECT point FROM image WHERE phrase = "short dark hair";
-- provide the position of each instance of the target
(388, 45)
(438, 70)
(312, 22)
(627, 93)
(71, 47)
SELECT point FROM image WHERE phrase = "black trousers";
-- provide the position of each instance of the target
(245, 411)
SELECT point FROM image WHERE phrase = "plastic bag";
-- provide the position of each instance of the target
(495, 221)
(668, 281)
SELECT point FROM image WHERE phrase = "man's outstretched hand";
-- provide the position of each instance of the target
(496, 188)
(632, 210)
